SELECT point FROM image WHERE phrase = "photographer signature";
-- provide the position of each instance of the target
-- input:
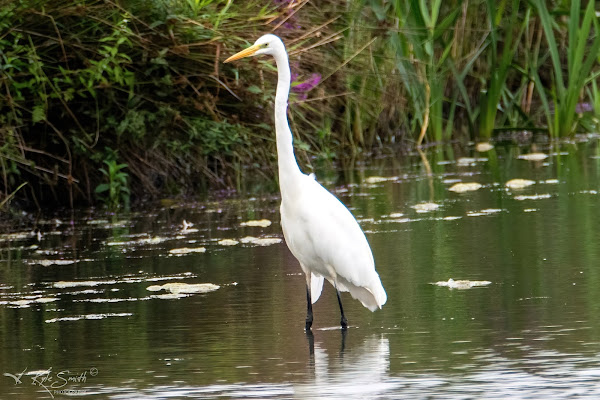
(54, 382)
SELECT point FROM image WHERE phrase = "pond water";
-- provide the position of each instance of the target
(95, 306)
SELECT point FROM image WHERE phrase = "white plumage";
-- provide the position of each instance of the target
(327, 241)
(319, 230)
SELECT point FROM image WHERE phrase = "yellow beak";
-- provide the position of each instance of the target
(244, 53)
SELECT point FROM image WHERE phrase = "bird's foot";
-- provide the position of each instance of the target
(309, 322)
(344, 323)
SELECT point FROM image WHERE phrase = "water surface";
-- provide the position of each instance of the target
(77, 316)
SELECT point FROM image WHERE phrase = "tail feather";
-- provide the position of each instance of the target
(316, 286)
(379, 293)
(373, 297)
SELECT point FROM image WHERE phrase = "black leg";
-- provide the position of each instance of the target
(311, 353)
(343, 346)
(309, 313)
(311, 343)
(344, 321)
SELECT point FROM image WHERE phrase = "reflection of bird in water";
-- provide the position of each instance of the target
(360, 372)
(319, 230)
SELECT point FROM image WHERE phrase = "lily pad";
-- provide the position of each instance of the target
(451, 218)
(486, 211)
(71, 284)
(260, 241)
(153, 240)
(483, 147)
(396, 215)
(263, 223)
(425, 207)
(48, 262)
(533, 197)
(461, 284)
(138, 242)
(28, 301)
(378, 179)
(465, 187)
(186, 250)
(533, 156)
(187, 288)
(88, 316)
(519, 183)
(227, 242)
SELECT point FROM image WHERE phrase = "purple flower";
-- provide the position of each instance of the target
(290, 25)
(307, 84)
(583, 107)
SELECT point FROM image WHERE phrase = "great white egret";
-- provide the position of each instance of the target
(318, 229)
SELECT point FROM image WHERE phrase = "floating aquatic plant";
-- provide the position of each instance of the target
(465, 187)
(425, 207)
(396, 215)
(533, 197)
(184, 288)
(70, 284)
(378, 179)
(519, 183)
(260, 241)
(28, 301)
(142, 241)
(261, 223)
(461, 284)
(483, 212)
(482, 147)
(48, 262)
(187, 250)
(88, 316)
(228, 242)
(533, 156)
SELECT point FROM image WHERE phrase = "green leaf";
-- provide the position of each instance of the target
(552, 46)
(103, 187)
(264, 126)
(446, 23)
(301, 145)
(425, 12)
(38, 113)
(573, 29)
(254, 89)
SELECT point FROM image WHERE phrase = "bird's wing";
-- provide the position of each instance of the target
(325, 237)
(316, 286)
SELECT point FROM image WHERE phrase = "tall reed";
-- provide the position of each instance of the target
(581, 53)
(423, 44)
(501, 59)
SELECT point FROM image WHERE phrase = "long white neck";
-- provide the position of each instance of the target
(289, 171)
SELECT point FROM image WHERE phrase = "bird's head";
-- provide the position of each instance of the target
(266, 44)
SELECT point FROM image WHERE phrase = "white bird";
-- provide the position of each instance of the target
(318, 229)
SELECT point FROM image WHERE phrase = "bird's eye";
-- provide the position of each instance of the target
(265, 45)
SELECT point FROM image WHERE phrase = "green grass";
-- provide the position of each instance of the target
(422, 45)
(581, 53)
(145, 79)
(500, 60)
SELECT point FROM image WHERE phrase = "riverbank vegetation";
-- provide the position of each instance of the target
(103, 102)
